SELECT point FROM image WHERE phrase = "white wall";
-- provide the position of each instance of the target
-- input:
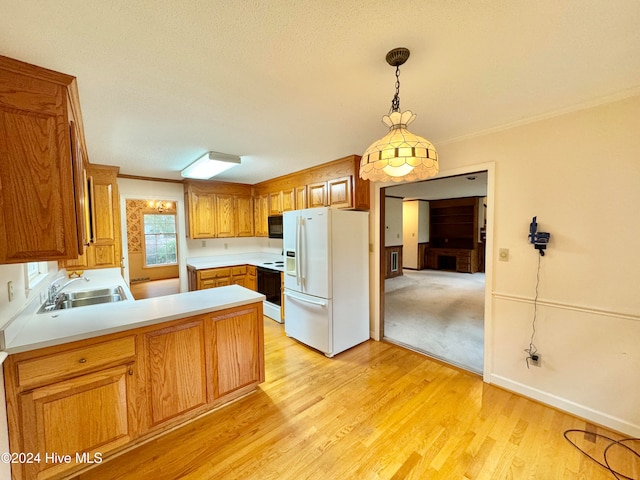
(393, 221)
(415, 229)
(579, 173)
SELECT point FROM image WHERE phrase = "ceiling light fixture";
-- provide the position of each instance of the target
(210, 164)
(399, 155)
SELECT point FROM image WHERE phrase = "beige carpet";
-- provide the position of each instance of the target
(438, 313)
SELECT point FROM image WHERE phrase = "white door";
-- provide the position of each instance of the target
(315, 235)
(309, 320)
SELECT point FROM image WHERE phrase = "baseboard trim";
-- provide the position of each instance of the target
(595, 416)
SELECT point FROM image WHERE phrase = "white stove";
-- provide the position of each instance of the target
(270, 285)
(277, 265)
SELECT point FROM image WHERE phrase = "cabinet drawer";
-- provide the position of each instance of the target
(51, 368)
(239, 270)
(214, 273)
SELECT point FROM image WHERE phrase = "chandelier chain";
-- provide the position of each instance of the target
(395, 103)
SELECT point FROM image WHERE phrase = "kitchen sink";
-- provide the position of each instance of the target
(102, 292)
(83, 298)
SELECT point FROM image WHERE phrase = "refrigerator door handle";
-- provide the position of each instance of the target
(297, 250)
(305, 300)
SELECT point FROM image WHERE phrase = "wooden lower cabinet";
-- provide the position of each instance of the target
(90, 415)
(219, 277)
(238, 357)
(251, 281)
(175, 371)
(92, 399)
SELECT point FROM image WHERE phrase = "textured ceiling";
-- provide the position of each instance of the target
(291, 84)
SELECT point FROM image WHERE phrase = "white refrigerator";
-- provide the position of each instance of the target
(326, 278)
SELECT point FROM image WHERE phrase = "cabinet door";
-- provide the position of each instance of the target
(288, 200)
(301, 197)
(201, 215)
(80, 188)
(225, 222)
(91, 413)
(251, 279)
(37, 194)
(339, 191)
(238, 355)
(317, 195)
(244, 216)
(275, 203)
(175, 371)
(261, 213)
(106, 249)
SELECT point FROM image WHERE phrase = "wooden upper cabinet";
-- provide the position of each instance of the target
(288, 200)
(200, 214)
(244, 216)
(275, 203)
(339, 192)
(218, 209)
(37, 199)
(260, 215)
(106, 249)
(104, 246)
(301, 197)
(317, 195)
(225, 216)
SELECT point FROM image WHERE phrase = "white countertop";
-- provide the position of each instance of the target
(258, 259)
(37, 330)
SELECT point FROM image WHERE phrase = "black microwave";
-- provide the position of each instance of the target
(275, 226)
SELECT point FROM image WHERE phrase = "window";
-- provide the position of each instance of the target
(34, 273)
(160, 241)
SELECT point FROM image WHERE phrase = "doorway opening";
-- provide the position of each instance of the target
(152, 247)
(435, 303)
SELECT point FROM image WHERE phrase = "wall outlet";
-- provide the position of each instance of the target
(204, 243)
(10, 289)
(535, 360)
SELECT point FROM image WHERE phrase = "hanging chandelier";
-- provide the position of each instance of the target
(399, 155)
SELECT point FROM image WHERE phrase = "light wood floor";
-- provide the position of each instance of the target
(155, 288)
(377, 411)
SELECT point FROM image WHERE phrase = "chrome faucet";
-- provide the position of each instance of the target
(55, 288)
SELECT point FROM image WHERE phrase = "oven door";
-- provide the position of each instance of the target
(269, 284)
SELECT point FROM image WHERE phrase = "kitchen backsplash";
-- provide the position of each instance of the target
(228, 246)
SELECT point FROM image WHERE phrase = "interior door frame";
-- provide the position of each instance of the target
(180, 232)
(379, 257)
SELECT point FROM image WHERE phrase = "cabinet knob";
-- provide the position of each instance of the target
(83, 360)
(131, 371)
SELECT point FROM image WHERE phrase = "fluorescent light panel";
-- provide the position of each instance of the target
(210, 165)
